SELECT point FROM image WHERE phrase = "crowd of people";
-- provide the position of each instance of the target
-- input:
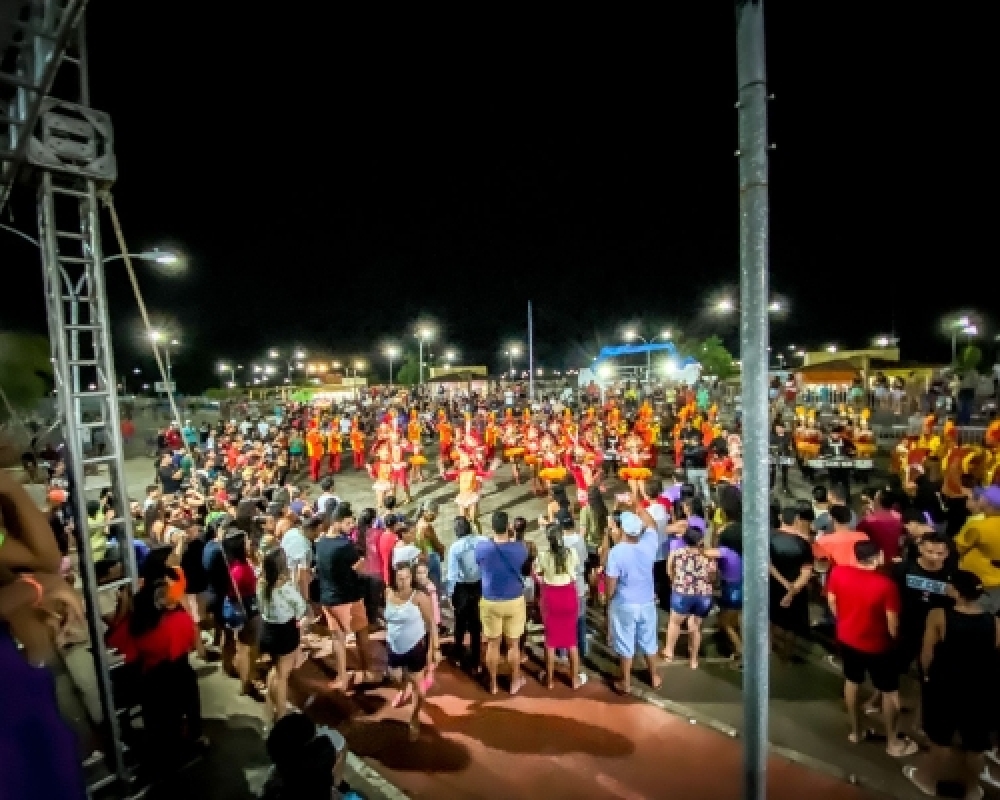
(246, 549)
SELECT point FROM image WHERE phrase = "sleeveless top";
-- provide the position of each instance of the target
(404, 626)
(967, 654)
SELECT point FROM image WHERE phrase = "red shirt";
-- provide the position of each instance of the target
(886, 530)
(862, 598)
(386, 543)
(244, 578)
(172, 638)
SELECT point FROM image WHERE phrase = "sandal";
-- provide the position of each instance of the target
(909, 747)
(581, 680)
(517, 685)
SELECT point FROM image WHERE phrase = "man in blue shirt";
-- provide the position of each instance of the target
(502, 608)
(465, 587)
(632, 607)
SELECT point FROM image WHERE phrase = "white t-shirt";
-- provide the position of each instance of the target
(245, 427)
(575, 542)
(263, 428)
(345, 426)
(298, 549)
(285, 605)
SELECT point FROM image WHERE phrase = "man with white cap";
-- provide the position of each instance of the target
(632, 606)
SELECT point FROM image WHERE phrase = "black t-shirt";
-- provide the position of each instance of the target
(170, 484)
(339, 582)
(732, 537)
(927, 498)
(195, 573)
(789, 553)
(918, 598)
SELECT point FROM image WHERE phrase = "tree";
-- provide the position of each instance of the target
(25, 371)
(969, 360)
(713, 356)
(408, 373)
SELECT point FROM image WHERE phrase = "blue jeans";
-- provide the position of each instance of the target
(434, 570)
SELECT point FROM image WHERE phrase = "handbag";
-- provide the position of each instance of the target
(234, 615)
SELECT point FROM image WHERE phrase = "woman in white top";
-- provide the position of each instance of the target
(281, 608)
(409, 623)
(556, 567)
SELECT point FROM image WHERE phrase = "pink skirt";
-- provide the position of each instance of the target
(560, 609)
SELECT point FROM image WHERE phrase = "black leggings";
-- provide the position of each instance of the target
(465, 601)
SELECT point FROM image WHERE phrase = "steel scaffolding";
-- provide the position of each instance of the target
(62, 148)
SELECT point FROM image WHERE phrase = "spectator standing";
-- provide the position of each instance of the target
(281, 608)
(465, 587)
(338, 562)
(884, 526)
(866, 606)
(958, 660)
(632, 606)
(790, 571)
(557, 568)
(502, 608)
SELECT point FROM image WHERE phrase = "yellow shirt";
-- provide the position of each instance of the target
(978, 545)
(545, 567)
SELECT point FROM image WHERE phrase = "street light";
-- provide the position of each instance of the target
(391, 352)
(512, 352)
(631, 334)
(159, 337)
(727, 305)
(422, 335)
(231, 369)
(831, 348)
(963, 324)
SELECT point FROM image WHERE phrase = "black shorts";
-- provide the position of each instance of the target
(414, 660)
(278, 639)
(882, 668)
(945, 712)
(661, 584)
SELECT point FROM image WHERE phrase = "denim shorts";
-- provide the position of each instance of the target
(633, 626)
(697, 605)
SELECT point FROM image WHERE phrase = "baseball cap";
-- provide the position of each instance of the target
(631, 523)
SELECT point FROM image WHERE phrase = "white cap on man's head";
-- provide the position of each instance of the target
(631, 524)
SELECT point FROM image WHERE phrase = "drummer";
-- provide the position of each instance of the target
(837, 447)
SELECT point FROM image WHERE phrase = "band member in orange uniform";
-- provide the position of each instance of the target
(400, 467)
(334, 446)
(357, 444)
(314, 450)
(512, 449)
(491, 435)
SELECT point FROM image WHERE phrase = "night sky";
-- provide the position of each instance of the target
(333, 179)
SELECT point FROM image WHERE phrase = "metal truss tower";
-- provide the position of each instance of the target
(52, 142)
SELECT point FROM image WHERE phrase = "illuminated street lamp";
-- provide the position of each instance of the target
(422, 335)
(512, 352)
(631, 334)
(965, 324)
(160, 337)
(831, 348)
(231, 369)
(391, 352)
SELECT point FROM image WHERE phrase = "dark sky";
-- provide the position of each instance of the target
(334, 178)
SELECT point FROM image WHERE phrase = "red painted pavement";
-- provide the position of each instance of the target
(558, 744)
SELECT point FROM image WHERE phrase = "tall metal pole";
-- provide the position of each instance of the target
(390, 370)
(752, 105)
(531, 356)
(420, 339)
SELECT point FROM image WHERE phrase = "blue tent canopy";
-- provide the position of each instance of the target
(634, 349)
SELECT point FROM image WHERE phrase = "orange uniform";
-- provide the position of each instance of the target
(358, 447)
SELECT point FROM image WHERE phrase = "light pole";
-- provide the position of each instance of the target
(231, 369)
(159, 256)
(391, 352)
(631, 334)
(159, 337)
(422, 335)
(512, 352)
